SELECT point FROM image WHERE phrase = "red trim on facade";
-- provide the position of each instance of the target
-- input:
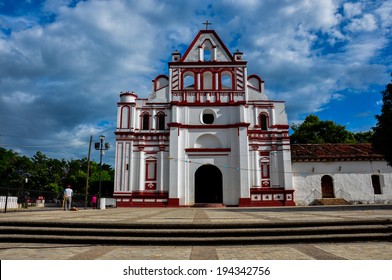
(211, 104)
(157, 78)
(244, 202)
(174, 124)
(209, 126)
(271, 197)
(280, 126)
(141, 199)
(223, 150)
(173, 202)
(199, 64)
(119, 104)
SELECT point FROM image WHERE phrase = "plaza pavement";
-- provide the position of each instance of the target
(300, 251)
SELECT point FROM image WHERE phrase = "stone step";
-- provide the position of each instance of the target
(187, 234)
(218, 232)
(105, 240)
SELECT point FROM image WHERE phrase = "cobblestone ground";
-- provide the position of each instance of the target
(316, 251)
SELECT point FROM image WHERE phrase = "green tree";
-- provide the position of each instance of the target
(76, 175)
(315, 131)
(363, 137)
(48, 176)
(381, 140)
(14, 169)
(107, 179)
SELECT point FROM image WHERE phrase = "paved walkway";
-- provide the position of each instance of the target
(324, 251)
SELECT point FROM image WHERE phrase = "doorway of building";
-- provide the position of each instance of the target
(208, 184)
(327, 187)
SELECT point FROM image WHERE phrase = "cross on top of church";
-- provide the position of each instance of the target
(207, 24)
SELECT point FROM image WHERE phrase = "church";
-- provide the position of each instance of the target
(207, 134)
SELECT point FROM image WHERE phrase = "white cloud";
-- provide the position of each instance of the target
(352, 9)
(365, 23)
(384, 13)
(18, 98)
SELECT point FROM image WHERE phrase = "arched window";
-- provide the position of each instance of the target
(189, 81)
(161, 121)
(208, 51)
(125, 113)
(263, 121)
(207, 80)
(226, 80)
(145, 121)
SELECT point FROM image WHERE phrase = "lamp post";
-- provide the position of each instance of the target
(102, 147)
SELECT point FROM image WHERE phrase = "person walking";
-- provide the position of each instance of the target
(68, 193)
(94, 201)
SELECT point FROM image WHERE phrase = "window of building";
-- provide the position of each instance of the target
(189, 81)
(151, 169)
(207, 55)
(376, 184)
(263, 121)
(208, 116)
(226, 80)
(145, 121)
(207, 80)
(125, 113)
(161, 121)
(265, 170)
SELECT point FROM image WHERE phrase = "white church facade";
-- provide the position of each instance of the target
(208, 134)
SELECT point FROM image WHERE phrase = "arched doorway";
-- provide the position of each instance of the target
(208, 184)
(327, 187)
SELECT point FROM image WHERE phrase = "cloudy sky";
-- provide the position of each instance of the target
(63, 63)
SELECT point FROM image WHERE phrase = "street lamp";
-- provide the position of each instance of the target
(102, 147)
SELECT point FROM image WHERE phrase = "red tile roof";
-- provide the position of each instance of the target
(334, 152)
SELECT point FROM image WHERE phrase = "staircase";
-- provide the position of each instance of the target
(196, 234)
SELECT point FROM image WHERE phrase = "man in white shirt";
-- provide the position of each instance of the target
(68, 193)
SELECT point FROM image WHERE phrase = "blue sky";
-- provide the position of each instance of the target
(63, 63)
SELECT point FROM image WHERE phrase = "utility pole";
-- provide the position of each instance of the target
(88, 171)
(102, 147)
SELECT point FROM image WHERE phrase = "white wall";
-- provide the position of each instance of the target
(352, 180)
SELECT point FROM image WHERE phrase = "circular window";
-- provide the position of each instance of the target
(208, 116)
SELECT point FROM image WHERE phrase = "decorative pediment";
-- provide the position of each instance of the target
(207, 46)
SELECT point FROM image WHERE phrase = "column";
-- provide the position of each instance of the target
(118, 167)
(142, 169)
(131, 164)
(256, 167)
(161, 170)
